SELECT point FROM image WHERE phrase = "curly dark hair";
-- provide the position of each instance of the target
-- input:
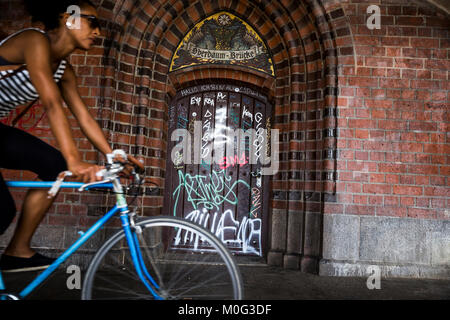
(48, 12)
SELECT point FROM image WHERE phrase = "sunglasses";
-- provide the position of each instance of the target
(94, 23)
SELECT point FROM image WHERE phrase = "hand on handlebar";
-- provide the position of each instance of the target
(88, 173)
(85, 172)
(129, 164)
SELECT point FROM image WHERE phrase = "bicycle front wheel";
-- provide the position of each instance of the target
(180, 260)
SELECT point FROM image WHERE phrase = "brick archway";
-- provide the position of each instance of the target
(304, 40)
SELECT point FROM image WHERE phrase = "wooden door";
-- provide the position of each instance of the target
(211, 178)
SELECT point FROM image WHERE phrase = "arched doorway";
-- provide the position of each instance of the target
(300, 40)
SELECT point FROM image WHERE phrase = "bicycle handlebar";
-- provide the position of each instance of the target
(113, 168)
(120, 153)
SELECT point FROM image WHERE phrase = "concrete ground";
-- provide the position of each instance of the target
(264, 282)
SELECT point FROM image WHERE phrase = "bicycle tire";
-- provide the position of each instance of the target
(112, 266)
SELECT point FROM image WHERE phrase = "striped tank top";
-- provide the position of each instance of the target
(16, 87)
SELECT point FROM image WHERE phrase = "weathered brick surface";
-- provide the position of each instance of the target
(403, 69)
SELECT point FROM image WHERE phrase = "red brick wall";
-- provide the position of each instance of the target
(393, 114)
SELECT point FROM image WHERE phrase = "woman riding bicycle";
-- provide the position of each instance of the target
(45, 74)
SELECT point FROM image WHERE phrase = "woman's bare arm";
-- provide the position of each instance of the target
(37, 56)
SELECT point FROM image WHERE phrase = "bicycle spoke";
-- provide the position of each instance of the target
(191, 280)
(200, 285)
(124, 289)
(152, 261)
(183, 276)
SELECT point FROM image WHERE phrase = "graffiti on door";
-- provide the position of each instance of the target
(227, 134)
(209, 191)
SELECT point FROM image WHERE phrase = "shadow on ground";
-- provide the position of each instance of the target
(272, 283)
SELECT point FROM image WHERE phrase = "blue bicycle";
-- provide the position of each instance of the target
(154, 258)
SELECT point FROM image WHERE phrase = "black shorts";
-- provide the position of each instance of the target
(20, 150)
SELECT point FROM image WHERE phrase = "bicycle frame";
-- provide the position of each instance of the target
(121, 206)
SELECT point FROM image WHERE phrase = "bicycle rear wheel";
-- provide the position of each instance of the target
(183, 260)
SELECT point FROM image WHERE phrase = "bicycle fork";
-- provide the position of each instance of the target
(136, 255)
(133, 243)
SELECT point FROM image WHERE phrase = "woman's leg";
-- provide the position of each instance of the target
(23, 151)
(35, 206)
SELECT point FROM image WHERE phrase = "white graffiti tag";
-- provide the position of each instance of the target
(244, 235)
